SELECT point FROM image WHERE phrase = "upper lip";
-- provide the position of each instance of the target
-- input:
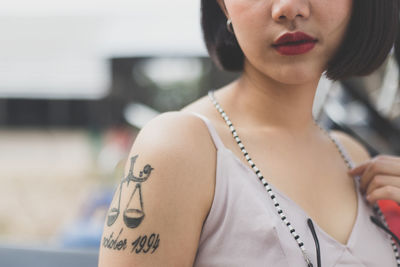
(293, 37)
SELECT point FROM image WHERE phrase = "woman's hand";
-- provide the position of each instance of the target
(380, 178)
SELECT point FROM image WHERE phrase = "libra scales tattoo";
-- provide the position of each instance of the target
(133, 216)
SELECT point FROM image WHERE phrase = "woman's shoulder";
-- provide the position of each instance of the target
(179, 134)
(357, 152)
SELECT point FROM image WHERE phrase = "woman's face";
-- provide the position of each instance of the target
(259, 23)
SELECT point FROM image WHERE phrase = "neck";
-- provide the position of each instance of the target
(277, 106)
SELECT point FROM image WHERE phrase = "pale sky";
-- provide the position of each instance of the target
(60, 48)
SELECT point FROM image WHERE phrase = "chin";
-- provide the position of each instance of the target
(299, 79)
(296, 75)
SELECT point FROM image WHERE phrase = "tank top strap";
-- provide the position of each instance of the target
(211, 129)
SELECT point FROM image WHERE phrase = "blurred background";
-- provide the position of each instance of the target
(78, 79)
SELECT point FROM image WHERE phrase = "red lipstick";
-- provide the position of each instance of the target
(294, 43)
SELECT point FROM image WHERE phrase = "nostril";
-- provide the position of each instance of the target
(283, 17)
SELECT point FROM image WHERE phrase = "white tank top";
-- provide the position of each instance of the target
(243, 228)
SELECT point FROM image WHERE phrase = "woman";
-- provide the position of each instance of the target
(193, 196)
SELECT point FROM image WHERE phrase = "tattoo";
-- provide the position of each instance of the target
(113, 244)
(142, 244)
(133, 216)
(145, 244)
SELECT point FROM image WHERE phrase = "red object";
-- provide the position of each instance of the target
(294, 43)
(391, 210)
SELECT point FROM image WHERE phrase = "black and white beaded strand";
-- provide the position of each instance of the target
(385, 227)
(272, 194)
(263, 181)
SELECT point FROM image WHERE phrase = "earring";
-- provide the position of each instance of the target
(229, 26)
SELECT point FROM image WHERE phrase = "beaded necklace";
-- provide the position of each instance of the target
(277, 206)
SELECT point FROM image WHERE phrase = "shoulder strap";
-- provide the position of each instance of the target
(211, 129)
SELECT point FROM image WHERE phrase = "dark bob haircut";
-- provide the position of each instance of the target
(370, 37)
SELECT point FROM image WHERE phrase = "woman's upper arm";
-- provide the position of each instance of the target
(165, 196)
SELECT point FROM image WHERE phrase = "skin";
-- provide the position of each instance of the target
(272, 100)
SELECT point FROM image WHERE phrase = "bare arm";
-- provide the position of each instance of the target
(158, 210)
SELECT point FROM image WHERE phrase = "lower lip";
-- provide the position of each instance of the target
(297, 49)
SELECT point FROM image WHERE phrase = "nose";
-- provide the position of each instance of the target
(290, 9)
